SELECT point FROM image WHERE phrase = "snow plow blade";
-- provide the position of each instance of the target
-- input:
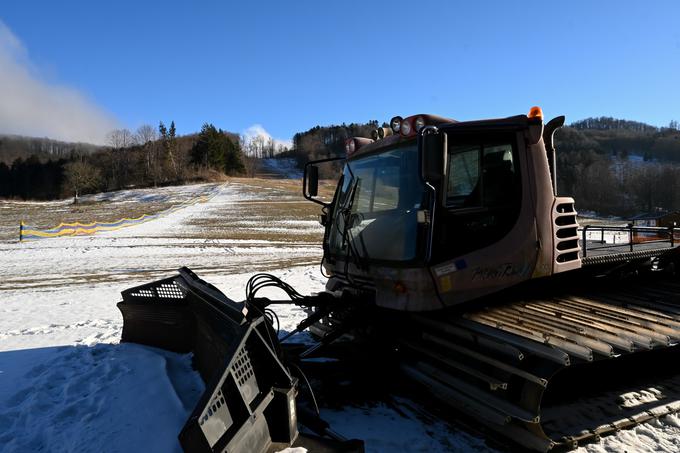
(249, 405)
(249, 401)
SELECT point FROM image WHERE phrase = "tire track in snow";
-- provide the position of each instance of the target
(106, 325)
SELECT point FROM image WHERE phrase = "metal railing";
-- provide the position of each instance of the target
(625, 238)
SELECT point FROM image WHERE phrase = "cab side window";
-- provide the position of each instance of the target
(483, 190)
(464, 177)
(499, 175)
(480, 176)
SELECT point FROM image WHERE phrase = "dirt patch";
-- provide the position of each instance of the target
(277, 212)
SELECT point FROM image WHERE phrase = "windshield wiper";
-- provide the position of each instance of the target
(361, 260)
(344, 211)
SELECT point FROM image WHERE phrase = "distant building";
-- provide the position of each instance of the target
(657, 218)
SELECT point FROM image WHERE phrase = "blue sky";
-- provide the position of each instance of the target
(292, 65)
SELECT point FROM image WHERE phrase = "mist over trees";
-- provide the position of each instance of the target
(15, 146)
(260, 147)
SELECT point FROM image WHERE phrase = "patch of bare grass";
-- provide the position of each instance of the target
(278, 212)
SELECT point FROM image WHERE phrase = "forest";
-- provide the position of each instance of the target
(610, 166)
(147, 158)
(618, 167)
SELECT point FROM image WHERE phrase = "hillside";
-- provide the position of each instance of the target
(619, 167)
(611, 166)
(13, 147)
(44, 169)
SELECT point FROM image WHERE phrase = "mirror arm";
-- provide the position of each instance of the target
(304, 179)
(430, 235)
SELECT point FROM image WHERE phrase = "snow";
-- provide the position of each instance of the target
(61, 367)
(159, 194)
(607, 237)
(384, 429)
(66, 384)
(101, 398)
(661, 435)
(282, 166)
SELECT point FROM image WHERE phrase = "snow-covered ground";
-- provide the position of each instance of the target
(608, 237)
(66, 384)
(281, 166)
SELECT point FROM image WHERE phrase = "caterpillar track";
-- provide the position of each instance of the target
(556, 371)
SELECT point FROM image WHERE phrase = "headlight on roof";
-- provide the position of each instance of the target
(395, 124)
(405, 127)
(384, 132)
(419, 123)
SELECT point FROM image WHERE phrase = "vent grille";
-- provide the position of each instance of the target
(568, 244)
(566, 233)
(566, 257)
(216, 404)
(566, 220)
(567, 252)
(215, 419)
(242, 370)
(164, 290)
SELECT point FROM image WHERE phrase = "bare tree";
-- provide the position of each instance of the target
(251, 165)
(145, 134)
(80, 176)
(120, 138)
(145, 137)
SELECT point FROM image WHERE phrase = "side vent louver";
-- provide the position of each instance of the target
(567, 253)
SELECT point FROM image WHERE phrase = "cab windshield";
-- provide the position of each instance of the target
(375, 217)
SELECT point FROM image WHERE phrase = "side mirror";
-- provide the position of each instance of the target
(310, 180)
(313, 181)
(432, 154)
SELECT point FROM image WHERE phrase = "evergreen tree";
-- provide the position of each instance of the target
(5, 184)
(215, 150)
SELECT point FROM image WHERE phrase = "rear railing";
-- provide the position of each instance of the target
(602, 239)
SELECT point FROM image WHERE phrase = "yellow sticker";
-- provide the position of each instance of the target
(445, 283)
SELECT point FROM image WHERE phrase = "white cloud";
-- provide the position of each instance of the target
(34, 107)
(258, 131)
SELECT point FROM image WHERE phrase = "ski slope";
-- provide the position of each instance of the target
(67, 385)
